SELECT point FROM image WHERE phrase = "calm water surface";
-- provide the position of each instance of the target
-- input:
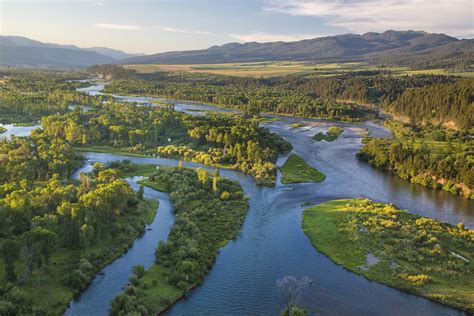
(271, 243)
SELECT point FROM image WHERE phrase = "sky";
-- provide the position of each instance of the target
(153, 26)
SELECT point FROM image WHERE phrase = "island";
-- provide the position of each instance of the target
(416, 254)
(331, 135)
(296, 170)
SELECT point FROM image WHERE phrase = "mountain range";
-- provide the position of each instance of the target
(395, 46)
(22, 51)
(415, 49)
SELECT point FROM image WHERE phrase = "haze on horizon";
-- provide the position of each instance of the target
(147, 26)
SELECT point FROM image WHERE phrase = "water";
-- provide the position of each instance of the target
(17, 130)
(112, 279)
(271, 243)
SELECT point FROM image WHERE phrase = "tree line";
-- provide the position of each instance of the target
(55, 231)
(234, 141)
(426, 156)
(209, 211)
(435, 99)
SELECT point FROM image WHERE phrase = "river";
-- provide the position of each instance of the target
(17, 130)
(271, 243)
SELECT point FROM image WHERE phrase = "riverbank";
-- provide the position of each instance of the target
(416, 254)
(49, 291)
(296, 170)
(209, 211)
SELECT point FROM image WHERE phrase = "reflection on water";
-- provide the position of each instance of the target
(17, 130)
(271, 243)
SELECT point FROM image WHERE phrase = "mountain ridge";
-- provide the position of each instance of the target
(19, 50)
(345, 47)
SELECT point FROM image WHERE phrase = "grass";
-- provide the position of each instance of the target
(157, 292)
(142, 170)
(296, 170)
(414, 253)
(331, 135)
(155, 184)
(205, 220)
(296, 125)
(2, 129)
(125, 151)
(268, 69)
(151, 210)
(46, 289)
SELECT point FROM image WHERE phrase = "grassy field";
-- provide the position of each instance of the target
(296, 170)
(413, 253)
(156, 185)
(331, 135)
(124, 151)
(282, 68)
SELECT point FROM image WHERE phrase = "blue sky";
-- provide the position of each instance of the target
(152, 26)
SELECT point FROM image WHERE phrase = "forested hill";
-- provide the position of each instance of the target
(389, 46)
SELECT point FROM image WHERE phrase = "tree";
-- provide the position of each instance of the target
(203, 175)
(10, 253)
(291, 289)
(215, 180)
(37, 245)
(141, 191)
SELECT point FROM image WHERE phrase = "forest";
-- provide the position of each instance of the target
(209, 211)
(56, 232)
(428, 156)
(27, 95)
(58, 229)
(434, 99)
(231, 141)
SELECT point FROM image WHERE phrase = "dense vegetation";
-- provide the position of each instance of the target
(55, 234)
(406, 251)
(432, 157)
(296, 170)
(420, 98)
(27, 95)
(331, 135)
(209, 211)
(231, 141)
(251, 100)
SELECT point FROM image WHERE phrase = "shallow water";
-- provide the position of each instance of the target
(271, 243)
(17, 130)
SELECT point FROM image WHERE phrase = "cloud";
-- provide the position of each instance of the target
(453, 16)
(265, 37)
(121, 27)
(99, 3)
(176, 30)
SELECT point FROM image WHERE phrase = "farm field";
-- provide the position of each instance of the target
(283, 68)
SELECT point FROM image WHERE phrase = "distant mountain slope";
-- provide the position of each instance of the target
(17, 50)
(50, 57)
(330, 48)
(114, 53)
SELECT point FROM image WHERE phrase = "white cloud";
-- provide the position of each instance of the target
(450, 16)
(121, 27)
(176, 30)
(265, 37)
(99, 3)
